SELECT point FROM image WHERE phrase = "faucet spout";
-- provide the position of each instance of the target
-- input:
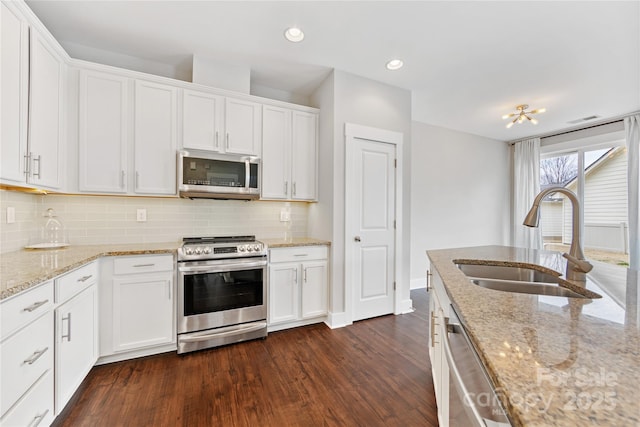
(577, 265)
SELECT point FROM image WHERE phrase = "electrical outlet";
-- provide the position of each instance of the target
(141, 215)
(285, 216)
(11, 215)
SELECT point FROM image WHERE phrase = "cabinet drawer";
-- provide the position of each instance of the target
(300, 253)
(25, 357)
(16, 312)
(35, 407)
(142, 264)
(72, 283)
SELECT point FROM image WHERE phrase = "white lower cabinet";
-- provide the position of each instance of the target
(26, 358)
(297, 286)
(76, 325)
(137, 311)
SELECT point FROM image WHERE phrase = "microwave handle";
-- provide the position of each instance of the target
(247, 174)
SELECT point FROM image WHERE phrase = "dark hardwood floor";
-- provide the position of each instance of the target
(374, 373)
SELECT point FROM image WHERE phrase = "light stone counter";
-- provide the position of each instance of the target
(554, 361)
(21, 270)
(294, 242)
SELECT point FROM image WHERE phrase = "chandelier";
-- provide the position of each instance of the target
(523, 115)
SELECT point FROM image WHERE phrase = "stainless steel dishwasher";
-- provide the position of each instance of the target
(472, 398)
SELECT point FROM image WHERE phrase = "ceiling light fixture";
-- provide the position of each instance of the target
(522, 114)
(395, 64)
(294, 34)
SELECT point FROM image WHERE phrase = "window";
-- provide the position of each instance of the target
(597, 173)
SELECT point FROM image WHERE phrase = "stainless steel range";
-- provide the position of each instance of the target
(222, 293)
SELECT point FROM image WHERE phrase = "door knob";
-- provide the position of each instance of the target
(357, 238)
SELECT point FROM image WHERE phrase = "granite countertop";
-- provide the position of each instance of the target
(554, 360)
(296, 241)
(24, 269)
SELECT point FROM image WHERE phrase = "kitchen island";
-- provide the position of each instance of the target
(552, 360)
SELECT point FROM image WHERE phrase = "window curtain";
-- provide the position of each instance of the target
(526, 186)
(632, 136)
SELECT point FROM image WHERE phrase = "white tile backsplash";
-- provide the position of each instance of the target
(109, 219)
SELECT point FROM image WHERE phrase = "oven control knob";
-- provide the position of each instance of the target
(206, 250)
(188, 251)
(256, 248)
(249, 248)
(198, 251)
(241, 248)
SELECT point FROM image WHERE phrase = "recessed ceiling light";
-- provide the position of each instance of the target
(294, 34)
(394, 64)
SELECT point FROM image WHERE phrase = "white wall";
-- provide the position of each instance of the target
(460, 193)
(106, 219)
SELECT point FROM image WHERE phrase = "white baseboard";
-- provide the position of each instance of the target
(134, 354)
(337, 320)
(406, 306)
(295, 324)
(419, 283)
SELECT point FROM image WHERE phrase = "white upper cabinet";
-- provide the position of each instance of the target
(103, 132)
(243, 121)
(289, 154)
(276, 152)
(14, 65)
(202, 121)
(155, 122)
(304, 161)
(46, 106)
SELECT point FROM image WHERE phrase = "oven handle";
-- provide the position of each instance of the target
(218, 267)
(241, 329)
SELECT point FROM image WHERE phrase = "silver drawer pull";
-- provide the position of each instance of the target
(300, 254)
(85, 278)
(35, 356)
(143, 265)
(38, 419)
(68, 335)
(35, 306)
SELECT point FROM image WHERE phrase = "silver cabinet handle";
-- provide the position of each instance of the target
(300, 254)
(85, 278)
(38, 419)
(137, 179)
(144, 265)
(227, 140)
(428, 280)
(305, 276)
(122, 179)
(27, 164)
(356, 239)
(35, 356)
(35, 306)
(286, 187)
(294, 188)
(170, 290)
(68, 335)
(37, 159)
(217, 143)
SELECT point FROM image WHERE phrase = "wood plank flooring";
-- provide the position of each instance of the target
(374, 373)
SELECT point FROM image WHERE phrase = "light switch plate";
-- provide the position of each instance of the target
(11, 215)
(141, 215)
(285, 216)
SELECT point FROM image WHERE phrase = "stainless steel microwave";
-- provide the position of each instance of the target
(208, 175)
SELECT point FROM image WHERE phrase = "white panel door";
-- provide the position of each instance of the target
(304, 159)
(76, 343)
(45, 113)
(276, 152)
(14, 74)
(243, 123)
(314, 289)
(103, 132)
(155, 138)
(370, 209)
(202, 116)
(142, 311)
(283, 292)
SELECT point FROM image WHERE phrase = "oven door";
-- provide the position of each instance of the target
(213, 294)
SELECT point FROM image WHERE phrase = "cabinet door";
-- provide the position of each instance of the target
(155, 138)
(202, 115)
(304, 161)
(276, 153)
(242, 127)
(314, 289)
(103, 132)
(14, 66)
(142, 311)
(76, 343)
(45, 113)
(283, 292)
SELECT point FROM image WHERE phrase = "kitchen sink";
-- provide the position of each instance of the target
(522, 280)
(526, 288)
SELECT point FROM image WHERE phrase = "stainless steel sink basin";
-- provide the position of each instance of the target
(526, 288)
(507, 273)
(521, 280)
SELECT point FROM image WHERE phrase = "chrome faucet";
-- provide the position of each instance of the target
(577, 265)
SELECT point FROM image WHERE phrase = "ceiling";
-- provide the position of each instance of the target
(466, 63)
